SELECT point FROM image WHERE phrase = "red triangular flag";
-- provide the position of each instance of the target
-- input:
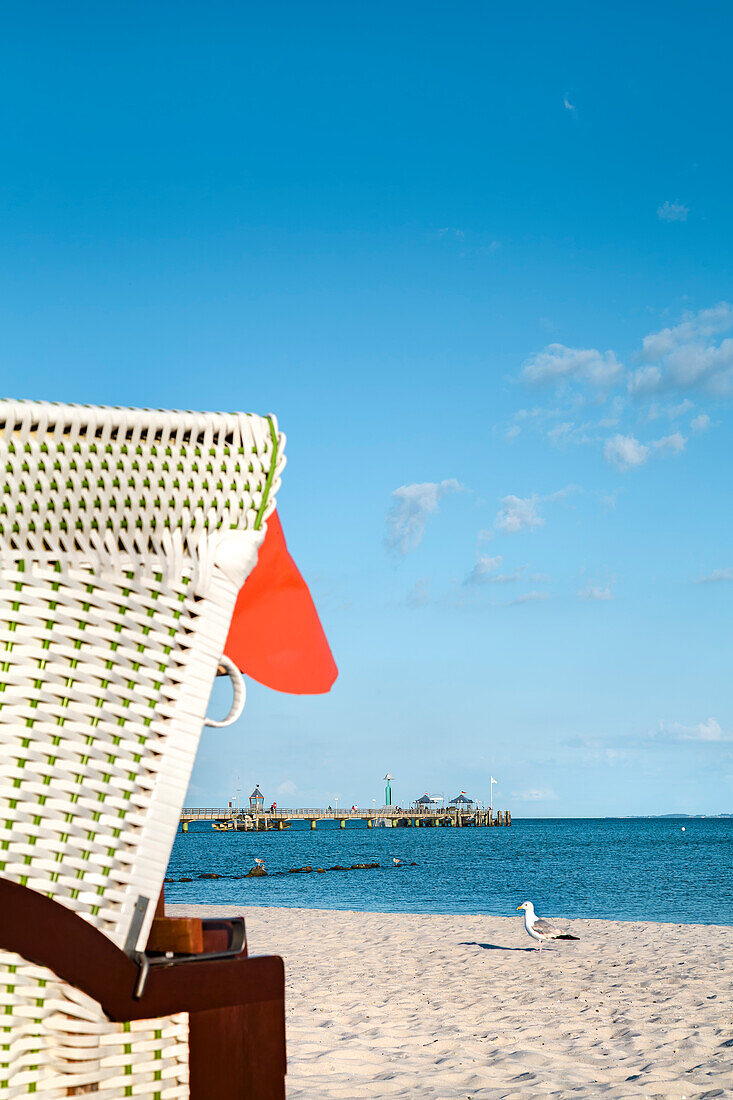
(275, 635)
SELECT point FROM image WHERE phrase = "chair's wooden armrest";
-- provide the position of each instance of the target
(191, 936)
(182, 935)
(51, 935)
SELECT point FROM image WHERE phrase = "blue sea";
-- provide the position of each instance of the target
(664, 869)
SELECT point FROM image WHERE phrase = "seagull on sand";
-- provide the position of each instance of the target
(540, 929)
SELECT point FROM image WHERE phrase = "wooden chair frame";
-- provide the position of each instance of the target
(236, 1005)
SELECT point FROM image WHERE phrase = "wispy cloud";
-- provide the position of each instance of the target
(671, 412)
(672, 212)
(596, 592)
(483, 569)
(625, 452)
(557, 363)
(718, 576)
(702, 731)
(674, 443)
(420, 593)
(409, 511)
(686, 357)
(486, 571)
(568, 105)
(518, 514)
(671, 366)
(529, 597)
(535, 794)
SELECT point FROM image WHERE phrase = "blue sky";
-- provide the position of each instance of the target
(477, 261)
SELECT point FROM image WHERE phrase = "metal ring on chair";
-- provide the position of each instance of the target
(240, 694)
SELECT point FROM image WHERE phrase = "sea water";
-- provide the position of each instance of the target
(664, 869)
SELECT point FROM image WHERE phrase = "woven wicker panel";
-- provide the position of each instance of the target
(113, 617)
(86, 667)
(56, 1042)
(114, 611)
(97, 483)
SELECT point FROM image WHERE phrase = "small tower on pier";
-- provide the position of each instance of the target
(256, 801)
(388, 789)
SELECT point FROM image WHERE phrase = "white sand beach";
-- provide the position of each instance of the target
(404, 1006)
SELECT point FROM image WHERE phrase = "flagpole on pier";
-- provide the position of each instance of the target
(491, 795)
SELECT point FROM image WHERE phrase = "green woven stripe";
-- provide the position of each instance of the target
(270, 475)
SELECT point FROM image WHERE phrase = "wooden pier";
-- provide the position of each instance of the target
(240, 819)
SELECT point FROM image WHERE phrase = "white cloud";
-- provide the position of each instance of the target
(596, 592)
(672, 212)
(675, 443)
(568, 105)
(409, 511)
(288, 787)
(694, 355)
(561, 433)
(686, 356)
(702, 731)
(483, 569)
(512, 431)
(671, 412)
(539, 794)
(718, 576)
(702, 325)
(518, 514)
(558, 363)
(529, 597)
(419, 594)
(485, 572)
(625, 452)
(645, 380)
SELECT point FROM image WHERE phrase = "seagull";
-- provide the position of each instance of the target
(397, 862)
(540, 929)
(259, 862)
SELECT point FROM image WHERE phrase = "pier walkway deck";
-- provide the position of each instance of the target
(390, 817)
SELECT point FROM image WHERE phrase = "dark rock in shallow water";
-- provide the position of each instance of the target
(209, 875)
(320, 870)
(256, 872)
(169, 880)
(338, 867)
(413, 864)
(185, 880)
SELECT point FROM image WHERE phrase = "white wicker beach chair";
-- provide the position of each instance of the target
(125, 536)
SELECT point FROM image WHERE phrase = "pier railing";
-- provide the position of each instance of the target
(282, 814)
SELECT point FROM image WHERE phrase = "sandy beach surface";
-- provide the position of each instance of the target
(397, 1005)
